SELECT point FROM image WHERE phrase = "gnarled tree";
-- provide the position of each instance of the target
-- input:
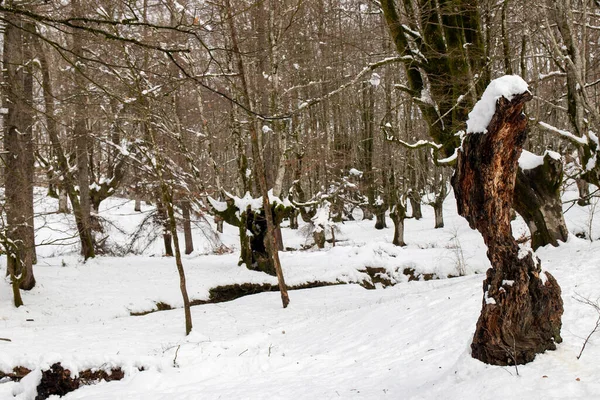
(522, 305)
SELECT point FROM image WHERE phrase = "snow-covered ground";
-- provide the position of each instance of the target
(409, 341)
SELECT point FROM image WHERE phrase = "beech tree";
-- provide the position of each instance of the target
(18, 234)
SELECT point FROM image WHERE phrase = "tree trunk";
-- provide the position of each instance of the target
(187, 227)
(219, 223)
(438, 211)
(537, 200)
(18, 145)
(167, 198)
(163, 219)
(398, 215)
(319, 238)
(438, 203)
(294, 219)
(522, 306)
(380, 210)
(81, 148)
(63, 201)
(415, 204)
(583, 187)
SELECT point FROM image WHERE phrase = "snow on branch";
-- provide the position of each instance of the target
(419, 144)
(506, 86)
(353, 81)
(566, 134)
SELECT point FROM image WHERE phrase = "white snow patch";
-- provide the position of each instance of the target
(528, 160)
(506, 86)
(375, 79)
(355, 172)
(27, 388)
(488, 298)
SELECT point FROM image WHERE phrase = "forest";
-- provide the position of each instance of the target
(299, 199)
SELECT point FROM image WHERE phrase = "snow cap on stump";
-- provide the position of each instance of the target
(506, 86)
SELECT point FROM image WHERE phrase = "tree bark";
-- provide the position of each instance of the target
(398, 215)
(380, 210)
(438, 211)
(187, 227)
(18, 145)
(167, 198)
(522, 305)
(81, 147)
(163, 218)
(63, 200)
(415, 204)
(537, 200)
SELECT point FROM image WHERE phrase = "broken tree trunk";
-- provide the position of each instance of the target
(522, 305)
(537, 200)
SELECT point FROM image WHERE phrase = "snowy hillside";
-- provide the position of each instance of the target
(407, 341)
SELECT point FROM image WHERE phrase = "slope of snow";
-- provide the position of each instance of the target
(409, 341)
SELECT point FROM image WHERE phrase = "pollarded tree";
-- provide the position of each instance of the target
(248, 215)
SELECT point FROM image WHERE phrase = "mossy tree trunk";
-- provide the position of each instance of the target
(252, 227)
(522, 305)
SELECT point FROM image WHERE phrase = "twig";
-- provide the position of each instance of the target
(175, 359)
(596, 307)
(5, 339)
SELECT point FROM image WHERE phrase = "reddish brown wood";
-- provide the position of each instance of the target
(522, 306)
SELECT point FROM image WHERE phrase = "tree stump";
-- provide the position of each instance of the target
(522, 305)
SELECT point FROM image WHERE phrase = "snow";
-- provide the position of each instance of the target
(375, 79)
(409, 341)
(506, 86)
(355, 172)
(528, 160)
(322, 220)
(591, 163)
(567, 134)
